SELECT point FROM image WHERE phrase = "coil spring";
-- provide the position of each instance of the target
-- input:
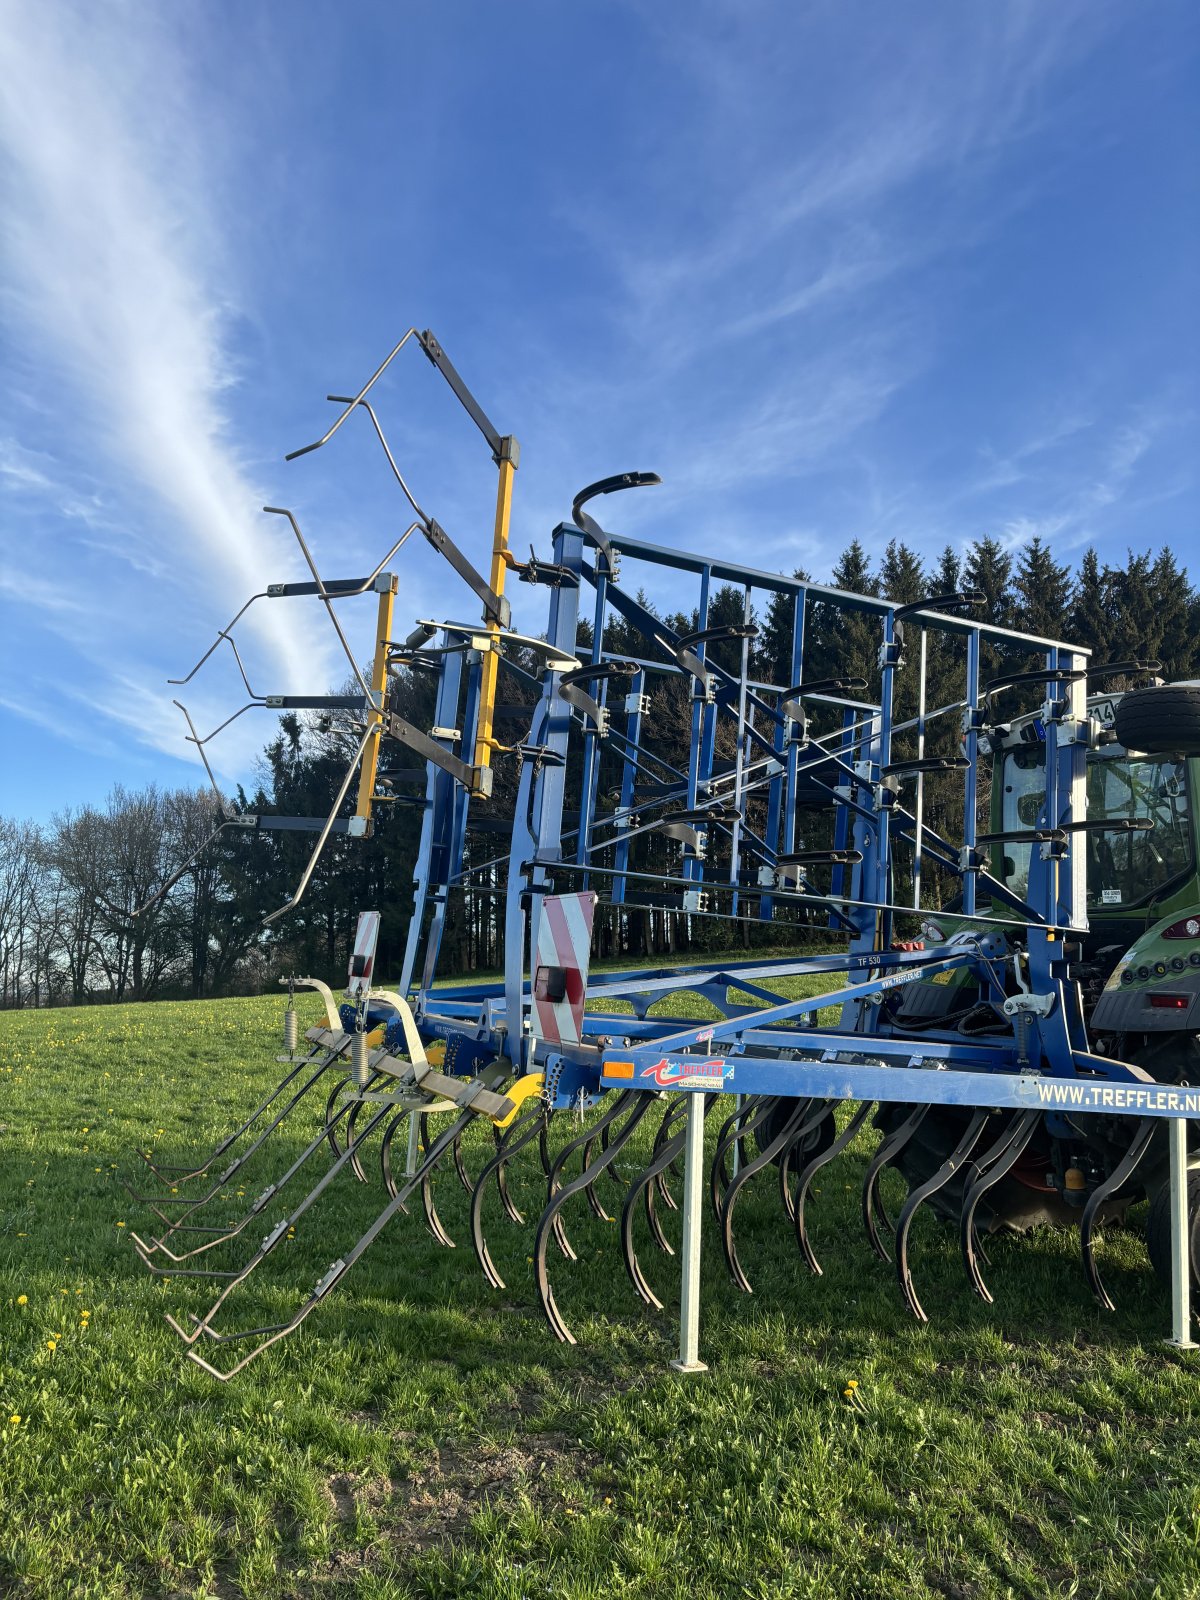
(360, 1070)
(291, 1031)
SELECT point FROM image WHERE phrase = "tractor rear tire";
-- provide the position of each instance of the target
(1158, 1230)
(1164, 720)
(816, 1141)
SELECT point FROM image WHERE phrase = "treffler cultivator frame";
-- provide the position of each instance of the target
(959, 1032)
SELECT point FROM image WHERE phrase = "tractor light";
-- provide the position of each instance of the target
(1185, 928)
(1169, 1002)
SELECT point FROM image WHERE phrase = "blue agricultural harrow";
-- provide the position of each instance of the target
(942, 985)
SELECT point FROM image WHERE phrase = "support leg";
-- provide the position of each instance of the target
(1181, 1266)
(693, 1213)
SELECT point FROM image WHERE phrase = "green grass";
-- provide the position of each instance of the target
(423, 1436)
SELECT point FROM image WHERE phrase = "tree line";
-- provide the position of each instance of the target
(135, 898)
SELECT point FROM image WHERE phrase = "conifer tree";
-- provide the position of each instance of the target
(1043, 591)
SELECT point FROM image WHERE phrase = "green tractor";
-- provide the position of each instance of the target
(1137, 966)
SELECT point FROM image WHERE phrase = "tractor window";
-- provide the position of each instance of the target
(1123, 869)
(1023, 798)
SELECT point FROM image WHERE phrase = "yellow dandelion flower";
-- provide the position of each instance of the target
(853, 1383)
(51, 1344)
(120, 1224)
(15, 1418)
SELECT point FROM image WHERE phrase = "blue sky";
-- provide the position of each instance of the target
(832, 269)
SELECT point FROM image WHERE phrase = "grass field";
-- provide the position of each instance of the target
(422, 1435)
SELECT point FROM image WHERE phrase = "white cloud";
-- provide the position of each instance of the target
(117, 289)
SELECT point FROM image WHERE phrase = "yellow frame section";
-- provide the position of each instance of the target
(370, 759)
(533, 1083)
(484, 742)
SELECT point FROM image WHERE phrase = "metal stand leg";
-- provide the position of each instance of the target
(1181, 1266)
(693, 1212)
(737, 1148)
(414, 1143)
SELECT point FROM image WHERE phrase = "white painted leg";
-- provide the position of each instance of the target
(414, 1143)
(693, 1215)
(1181, 1265)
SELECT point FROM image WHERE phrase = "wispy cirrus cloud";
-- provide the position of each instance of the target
(116, 303)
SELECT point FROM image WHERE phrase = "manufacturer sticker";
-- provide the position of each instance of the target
(704, 1074)
(1110, 897)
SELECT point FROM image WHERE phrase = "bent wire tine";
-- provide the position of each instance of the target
(917, 1196)
(184, 1174)
(338, 1269)
(194, 1203)
(233, 1229)
(203, 1325)
(1120, 1174)
(304, 450)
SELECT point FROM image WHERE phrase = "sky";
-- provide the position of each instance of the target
(832, 269)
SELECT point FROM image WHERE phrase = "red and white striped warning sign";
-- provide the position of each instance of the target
(564, 945)
(362, 957)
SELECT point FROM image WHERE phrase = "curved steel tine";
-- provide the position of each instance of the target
(432, 1221)
(729, 1134)
(385, 1154)
(580, 1141)
(460, 1166)
(916, 1198)
(611, 1173)
(1120, 1174)
(595, 1204)
(809, 1172)
(665, 1150)
(330, 1120)
(786, 1158)
(658, 1185)
(550, 1215)
(802, 1116)
(336, 1272)
(506, 1200)
(872, 1205)
(995, 1164)
(234, 1228)
(523, 1130)
(544, 1149)
(356, 1166)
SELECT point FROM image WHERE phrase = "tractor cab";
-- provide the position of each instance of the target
(1134, 878)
